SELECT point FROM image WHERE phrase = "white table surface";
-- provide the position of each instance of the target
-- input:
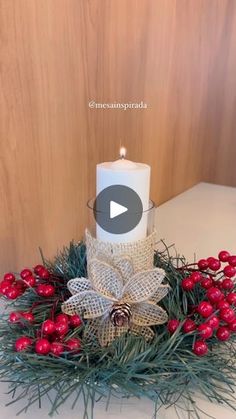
(200, 221)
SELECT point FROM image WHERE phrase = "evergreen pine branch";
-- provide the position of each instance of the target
(166, 371)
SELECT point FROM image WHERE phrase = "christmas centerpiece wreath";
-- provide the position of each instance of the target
(120, 319)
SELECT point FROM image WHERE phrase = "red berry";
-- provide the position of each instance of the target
(214, 322)
(205, 309)
(30, 281)
(223, 333)
(231, 298)
(49, 290)
(210, 259)
(218, 284)
(62, 318)
(205, 330)
(23, 343)
(227, 284)
(28, 316)
(14, 317)
(207, 283)
(229, 271)
(223, 304)
(75, 321)
(4, 287)
(26, 272)
(223, 255)
(48, 327)
(189, 326)
(227, 315)
(57, 348)
(45, 290)
(9, 277)
(73, 344)
(38, 268)
(214, 295)
(196, 277)
(214, 264)
(20, 285)
(232, 260)
(12, 293)
(40, 290)
(187, 284)
(173, 325)
(42, 346)
(44, 274)
(203, 264)
(61, 328)
(200, 348)
(232, 326)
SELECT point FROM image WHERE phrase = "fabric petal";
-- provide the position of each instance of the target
(125, 267)
(143, 285)
(145, 314)
(88, 303)
(161, 292)
(91, 329)
(77, 285)
(144, 331)
(105, 279)
(107, 332)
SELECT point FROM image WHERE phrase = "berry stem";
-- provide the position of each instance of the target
(35, 304)
(53, 310)
(184, 267)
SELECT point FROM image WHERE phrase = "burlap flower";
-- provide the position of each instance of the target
(115, 299)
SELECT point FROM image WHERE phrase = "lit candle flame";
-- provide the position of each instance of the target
(122, 152)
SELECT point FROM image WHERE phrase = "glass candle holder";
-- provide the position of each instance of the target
(144, 228)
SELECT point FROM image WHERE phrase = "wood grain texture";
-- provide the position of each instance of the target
(57, 55)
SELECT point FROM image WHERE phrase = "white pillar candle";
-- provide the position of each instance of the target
(133, 175)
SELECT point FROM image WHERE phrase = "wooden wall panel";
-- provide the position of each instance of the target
(57, 55)
(219, 135)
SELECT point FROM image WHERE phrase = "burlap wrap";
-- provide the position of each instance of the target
(141, 252)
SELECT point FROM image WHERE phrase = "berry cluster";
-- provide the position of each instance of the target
(13, 286)
(215, 315)
(212, 266)
(51, 337)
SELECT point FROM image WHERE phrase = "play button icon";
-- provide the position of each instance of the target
(118, 209)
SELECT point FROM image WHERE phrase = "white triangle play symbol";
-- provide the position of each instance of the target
(116, 209)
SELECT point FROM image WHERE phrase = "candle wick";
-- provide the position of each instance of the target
(122, 153)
